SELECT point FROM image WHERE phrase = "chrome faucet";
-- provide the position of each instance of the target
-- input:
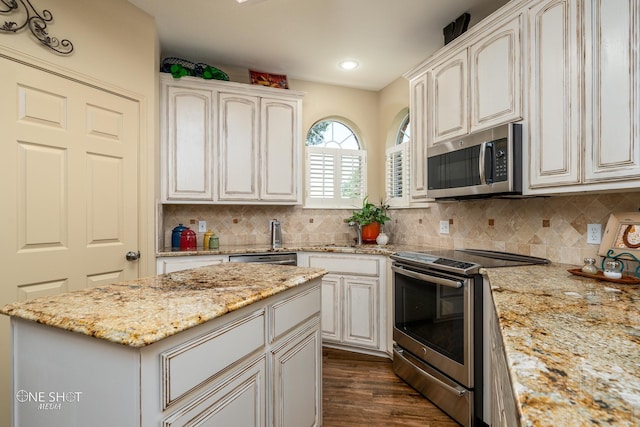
(359, 230)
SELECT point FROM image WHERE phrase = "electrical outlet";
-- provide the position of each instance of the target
(594, 233)
(202, 226)
(444, 227)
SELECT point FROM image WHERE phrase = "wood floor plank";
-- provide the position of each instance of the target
(361, 390)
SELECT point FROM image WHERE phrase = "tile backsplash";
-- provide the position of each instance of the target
(553, 227)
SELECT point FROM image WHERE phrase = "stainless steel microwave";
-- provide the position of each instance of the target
(483, 164)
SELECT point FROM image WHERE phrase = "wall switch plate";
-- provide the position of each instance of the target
(444, 227)
(202, 226)
(594, 233)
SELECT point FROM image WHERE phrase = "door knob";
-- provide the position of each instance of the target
(132, 256)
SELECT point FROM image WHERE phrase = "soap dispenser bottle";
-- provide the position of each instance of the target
(276, 234)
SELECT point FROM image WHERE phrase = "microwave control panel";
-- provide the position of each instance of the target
(501, 160)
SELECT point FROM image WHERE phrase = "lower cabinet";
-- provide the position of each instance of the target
(260, 365)
(171, 264)
(354, 295)
(504, 410)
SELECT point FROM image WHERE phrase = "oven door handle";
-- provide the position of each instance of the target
(457, 390)
(425, 277)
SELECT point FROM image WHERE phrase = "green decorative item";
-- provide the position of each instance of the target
(178, 71)
(181, 67)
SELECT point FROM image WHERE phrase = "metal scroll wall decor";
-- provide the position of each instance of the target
(36, 22)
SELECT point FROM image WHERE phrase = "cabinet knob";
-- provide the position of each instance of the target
(132, 256)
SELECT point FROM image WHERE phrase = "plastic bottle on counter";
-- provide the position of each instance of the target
(188, 240)
(175, 236)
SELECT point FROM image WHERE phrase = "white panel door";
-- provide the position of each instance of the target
(450, 92)
(419, 120)
(361, 311)
(613, 90)
(238, 160)
(554, 133)
(69, 162)
(280, 150)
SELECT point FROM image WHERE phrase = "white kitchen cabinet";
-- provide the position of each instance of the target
(354, 300)
(188, 126)
(449, 85)
(584, 133)
(225, 142)
(171, 264)
(504, 410)
(257, 366)
(495, 70)
(612, 98)
(260, 149)
(554, 114)
(418, 121)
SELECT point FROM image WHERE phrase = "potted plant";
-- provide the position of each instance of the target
(370, 217)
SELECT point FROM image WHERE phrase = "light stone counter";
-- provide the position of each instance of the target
(572, 346)
(140, 312)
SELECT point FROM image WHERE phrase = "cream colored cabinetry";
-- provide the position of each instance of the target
(188, 126)
(172, 264)
(496, 75)
(584, 132)
(449, 86)
(418, 121)
(257, 366)
(249, 135)
(354, 308)
(504, 410)
(554, 90)
(478, 85)
(612, 79)
(260, 149)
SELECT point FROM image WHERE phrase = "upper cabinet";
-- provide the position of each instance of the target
(496, 75)
(228, 142)
(612, 79)
(419, 124)
(584, 132)
(479, 84)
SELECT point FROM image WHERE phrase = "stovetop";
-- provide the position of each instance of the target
(466, 261)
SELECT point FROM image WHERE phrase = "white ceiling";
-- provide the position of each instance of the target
(306, 39)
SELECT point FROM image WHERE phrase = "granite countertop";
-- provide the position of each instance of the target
(140, 312)
(345, 248)
(572, 345)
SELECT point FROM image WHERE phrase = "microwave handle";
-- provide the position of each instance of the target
(486, 170)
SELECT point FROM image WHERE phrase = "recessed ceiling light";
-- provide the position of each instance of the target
(349, 64)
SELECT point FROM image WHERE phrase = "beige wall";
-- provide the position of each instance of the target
(116, 47)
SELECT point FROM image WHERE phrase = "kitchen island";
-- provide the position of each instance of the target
(572, 346)
(235, 344)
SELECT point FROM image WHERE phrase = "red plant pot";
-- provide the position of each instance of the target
(370, 232)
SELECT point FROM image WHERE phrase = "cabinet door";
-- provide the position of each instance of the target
(418, 122)
(187, 153)
(331, 310)
(613, 90)
(297, 373)
(554, 136)
(361, 311)
(449, 88)
(280, 150)
(237, 401)
(238, 147)
(496, 75)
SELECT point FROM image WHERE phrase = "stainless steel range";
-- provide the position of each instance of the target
(438, 325)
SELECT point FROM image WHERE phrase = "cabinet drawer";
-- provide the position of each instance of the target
(291, 312)
(195, 362)
(364, 266)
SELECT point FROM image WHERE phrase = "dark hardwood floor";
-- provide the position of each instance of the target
(362, 390)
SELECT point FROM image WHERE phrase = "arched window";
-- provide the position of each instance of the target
(335, 166)
(397, 166)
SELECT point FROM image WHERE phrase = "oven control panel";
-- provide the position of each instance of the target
(453, 263)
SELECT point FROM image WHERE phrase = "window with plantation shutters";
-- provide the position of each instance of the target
(335, 166)
(397, 175)
(397, 167)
